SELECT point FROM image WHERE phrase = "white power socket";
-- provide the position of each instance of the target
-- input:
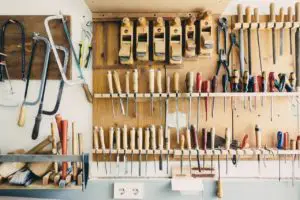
(128, 190)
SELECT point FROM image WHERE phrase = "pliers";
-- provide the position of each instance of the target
(223, 61)
(233, 42)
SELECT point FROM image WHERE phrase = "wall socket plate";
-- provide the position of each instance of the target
(127, 190)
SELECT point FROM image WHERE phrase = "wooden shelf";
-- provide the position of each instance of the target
(37, 185)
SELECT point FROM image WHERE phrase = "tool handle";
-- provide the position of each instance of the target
(64, 147)
(135, 80)
(190, 81)
(96, 138)
(297, 12)
(161, 138)
(101, 136)
(188, 139)
(127, 83)
(248, 14)
(219, 189)
(204, 139)
(110, 83)
(54, 145)
(227, 138)
(214, 84)
(240, 13)
(75, 141)
(224, 82)
(290, 14)
(258, 136)
(272, 12)
(244, 141)
(132, 138)
(80, 141)
(176, 81)
(235, 76)
(140, 139)
(272, 81)
(246, 81)
(212, 138)
(281, 14)
(286, 141)
(87, 92)
(58, 119)
(168, 83)
(21, 120)
(298, 143)
(151, 80)
(198, 81)
(118, 138)
(124, 137)
(255, 86)
(40, 146)
(292, 144)
(195, 137)
(182, 141)
(256, 15)
(158, 81)
(117, 81)
(147, 139)
(264, 81)
(36, 127)
(111, 138)
(280, 140)
(153, 137)
(168, 140)
(292, 80)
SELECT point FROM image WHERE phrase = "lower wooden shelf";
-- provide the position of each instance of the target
(37, 185)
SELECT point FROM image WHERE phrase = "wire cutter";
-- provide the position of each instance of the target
(223, 61)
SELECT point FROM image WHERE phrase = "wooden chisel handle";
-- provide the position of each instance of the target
(281, 14)
(248, 14)
(54, 145)
(111, 138)
(135, 80)
(87, 92)
(190, 81)
(212, 139)
(64, 147)
(140, 138)
(297, 12)
(132, 138)
(292, 144)
(125, 137)
(256, 15)
(290, 14)
(182, 141)
(151, 80)
(75, 140)
(117, 81)
(58, 119)
(147, 139)
(101, 136)
(118, 139)
(168, 83)
(22, 114)
(158, 81)
(161, 138)
(153, 137)
(272, 12)
(188, 139)
(176, 81)
(240, 13)
(258, 136)
(198, 82)
(96, 138)
(110, 83)
(127, 83)
(227, 138)
(195, 137)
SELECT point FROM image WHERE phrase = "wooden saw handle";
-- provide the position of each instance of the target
(22, 114)
(87, 92)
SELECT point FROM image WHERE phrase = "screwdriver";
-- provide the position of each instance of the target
(140, 147)
(293, 147)
(219, 183)
(190, 85)
(279, 146)
(146, 143)
(189, 147)
(256, 20)
(290, 19)
(204, 142)
(151, 87)
(111, 90)
(135, 80)
(227, 145)
(285, 143)
(272, 89)
(245, 85)
(182, 138)
(273, 20)
(225, 85)
(206, 88)
(176, 88)
(281, 16)
(102, 142)
(198, 88)
(235, 84)
(132, 146)
(212, 144)
(264, 86)
(118, 147)
(127, 90)
(255, 90)
(196, 145)
(168, 144)
(258, 144)
(159, 90)
(119, 90)
(161, 146)
(96, 144)
(153, 144)
(125, 146)
(167, 104)
(111, 145)
(213, 89)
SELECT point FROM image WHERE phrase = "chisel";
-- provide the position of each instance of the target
(135, 80)
(225, 86)
(119, 90)
(96, 144)
(111, 91)
(125, 146)
(176, 88)
(219, 183)
(161, 146)
(132, 146)
(249, 30)
(147, 144)
(235, 84)
(258, 144)
(111, 145)
(198, 88)
(182, 138)
(159, 90)
(227, 145)
(256, 20)
(153, 144)
(151, 88)
(273, 20)
(272, 89)
(140, 147)
(255, 90)
(281, 19)
(290, 19)
(190, 86)
(118, 148)
(212, 144)
(241, 41)
(196, 145)
(264, 86)
(204, 142)
(279, 146)
(102, 142)
(127, 90)
(189, 147)
(213, 89)
(168, 144)
(285, 143)
(167, 105)
(245, 85)
(206, 89)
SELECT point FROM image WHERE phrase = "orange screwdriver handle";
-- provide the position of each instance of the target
(198, 82)
(245, 141)
(64, 148)
(286, 141)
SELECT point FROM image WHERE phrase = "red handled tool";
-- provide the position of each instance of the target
(206, 89)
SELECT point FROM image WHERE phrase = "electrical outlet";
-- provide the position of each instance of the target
(128, 190)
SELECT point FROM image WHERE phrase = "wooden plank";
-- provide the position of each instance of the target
(13, 46)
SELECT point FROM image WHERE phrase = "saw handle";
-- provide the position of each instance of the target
(22, 114)
(36, 127)
(87, 92)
